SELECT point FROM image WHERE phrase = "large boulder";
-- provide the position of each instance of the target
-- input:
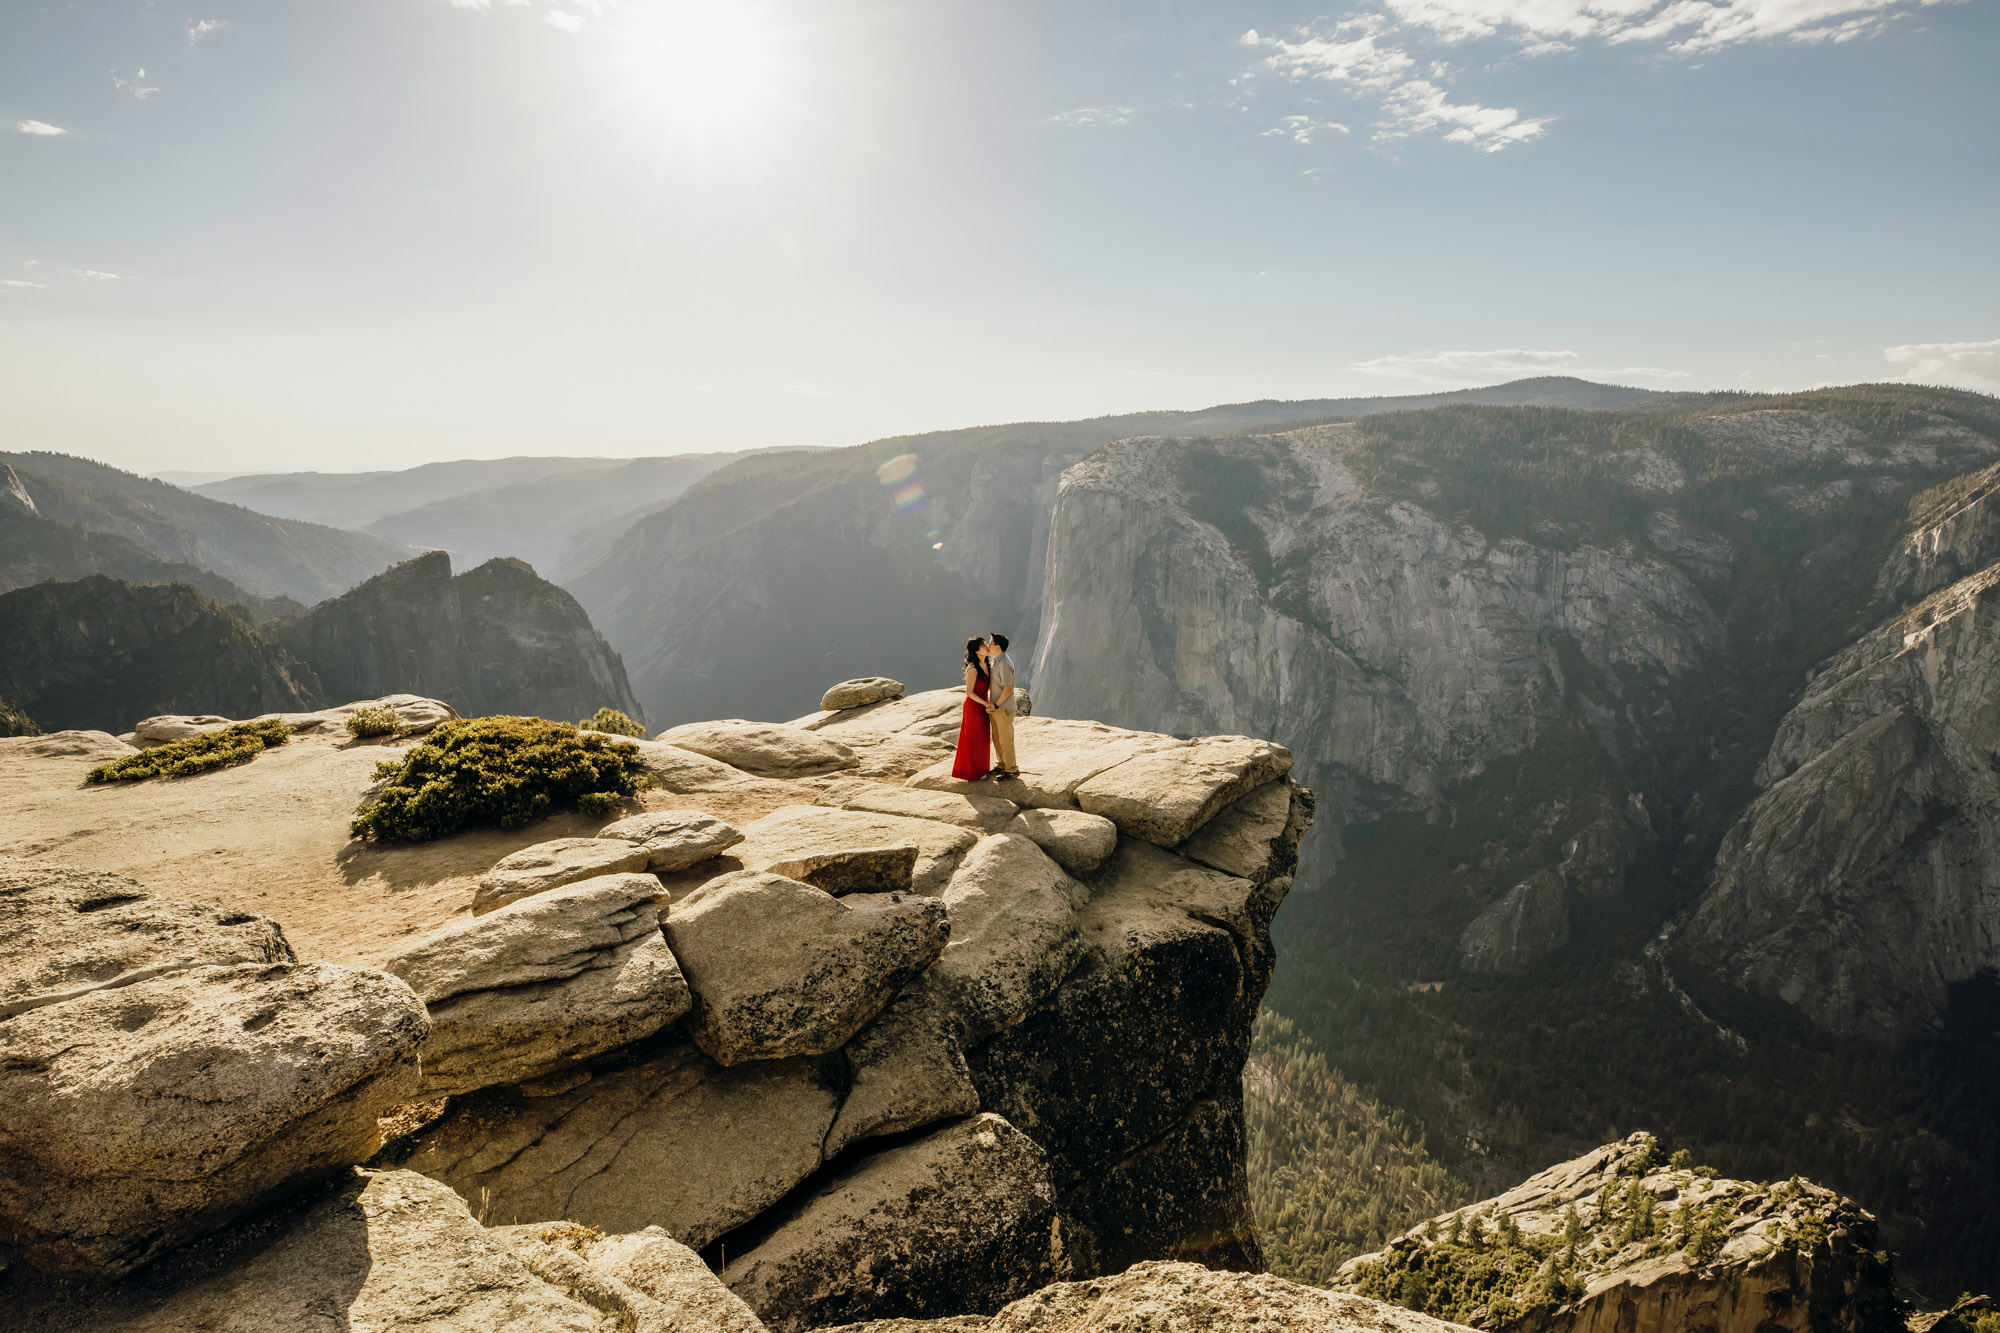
(1530, 921)
(795, 834)
(1164, 796)
(675, 839)
(542, 982)
(863, 690)
(552, 864)
(386, 1250)
(779, 968)
(1014, 937)
(666, 1138)
(1174, 1297)
(142, 1115)
(766, 749)
(907, 1071)
(865, 1245)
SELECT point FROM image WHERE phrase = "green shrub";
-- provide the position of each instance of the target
(238, 743)
(374, 720)
(497, 771)
(15, 722)
(613, 721)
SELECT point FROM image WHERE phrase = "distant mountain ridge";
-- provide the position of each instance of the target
(495, 639)
(356, 499)
(258, 553)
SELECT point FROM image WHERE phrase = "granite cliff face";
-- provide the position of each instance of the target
(894, 1046)
(496, 639)
(99, 654)
(779, 569)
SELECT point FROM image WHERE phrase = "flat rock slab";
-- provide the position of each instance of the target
(794, 832)
(1161, 1296)
(151, 731)
(543, 982)
(1057, 756)
(141, 1116)
(1249, 838)
(388, 1250)
(655, 1263)
(766, 749)
(685, 773)
(552, 864)
(65, 932)
(852, 870)
(1077, 841)
(975, 811)
(862, 690)
(866, 1244)
(670, 1140)
(675, 839)
(779, 968)
(1165, 796)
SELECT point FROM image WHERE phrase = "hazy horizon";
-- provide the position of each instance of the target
(295, 237)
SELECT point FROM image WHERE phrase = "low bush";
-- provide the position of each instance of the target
(374, 720)
(613, 721)
(238, 743)
(503, 772)
(14, 721)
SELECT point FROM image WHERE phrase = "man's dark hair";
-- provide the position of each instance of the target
(999, 641)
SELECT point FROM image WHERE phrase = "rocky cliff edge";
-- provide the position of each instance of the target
(895, 1047)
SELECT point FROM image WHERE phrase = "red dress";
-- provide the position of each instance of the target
(975, 738)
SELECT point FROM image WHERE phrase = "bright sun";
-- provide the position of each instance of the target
(704, 67)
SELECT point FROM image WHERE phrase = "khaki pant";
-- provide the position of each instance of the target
(1003, 738)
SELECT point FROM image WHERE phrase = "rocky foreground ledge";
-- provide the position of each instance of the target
(896, 1047)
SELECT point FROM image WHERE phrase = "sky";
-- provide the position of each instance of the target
(243, 235)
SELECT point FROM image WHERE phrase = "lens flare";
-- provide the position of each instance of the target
(900, 478)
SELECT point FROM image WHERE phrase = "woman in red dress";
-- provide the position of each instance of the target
(975, 724)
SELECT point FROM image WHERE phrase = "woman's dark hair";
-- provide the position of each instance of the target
(972, 647)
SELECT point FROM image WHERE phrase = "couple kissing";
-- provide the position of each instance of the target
(987, 722)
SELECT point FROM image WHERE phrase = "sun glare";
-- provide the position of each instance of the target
(702, 67)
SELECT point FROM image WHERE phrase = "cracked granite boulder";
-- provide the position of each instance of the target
(542, 982)
(168, 1068)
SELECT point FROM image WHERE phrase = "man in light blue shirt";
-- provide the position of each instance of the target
(1000, 705)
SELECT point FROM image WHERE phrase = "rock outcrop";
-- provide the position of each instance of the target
(97, 653)
(1532, 920)
(168, 1068)
(496, 639)
(1182, 1298)
(1617, 1239)
(1020, 1066)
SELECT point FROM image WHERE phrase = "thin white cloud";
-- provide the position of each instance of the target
(1355, 55)
(1435, 366)
(1689, 26)
(1376, 54)
(1444, 368)
(1304, 129)
(1973, 365)
(562, 18)
(200, 28)
(94, 274)
(41, 127)
(20, 282)
(136, 85)
(1420, 105)
(1084, 117)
